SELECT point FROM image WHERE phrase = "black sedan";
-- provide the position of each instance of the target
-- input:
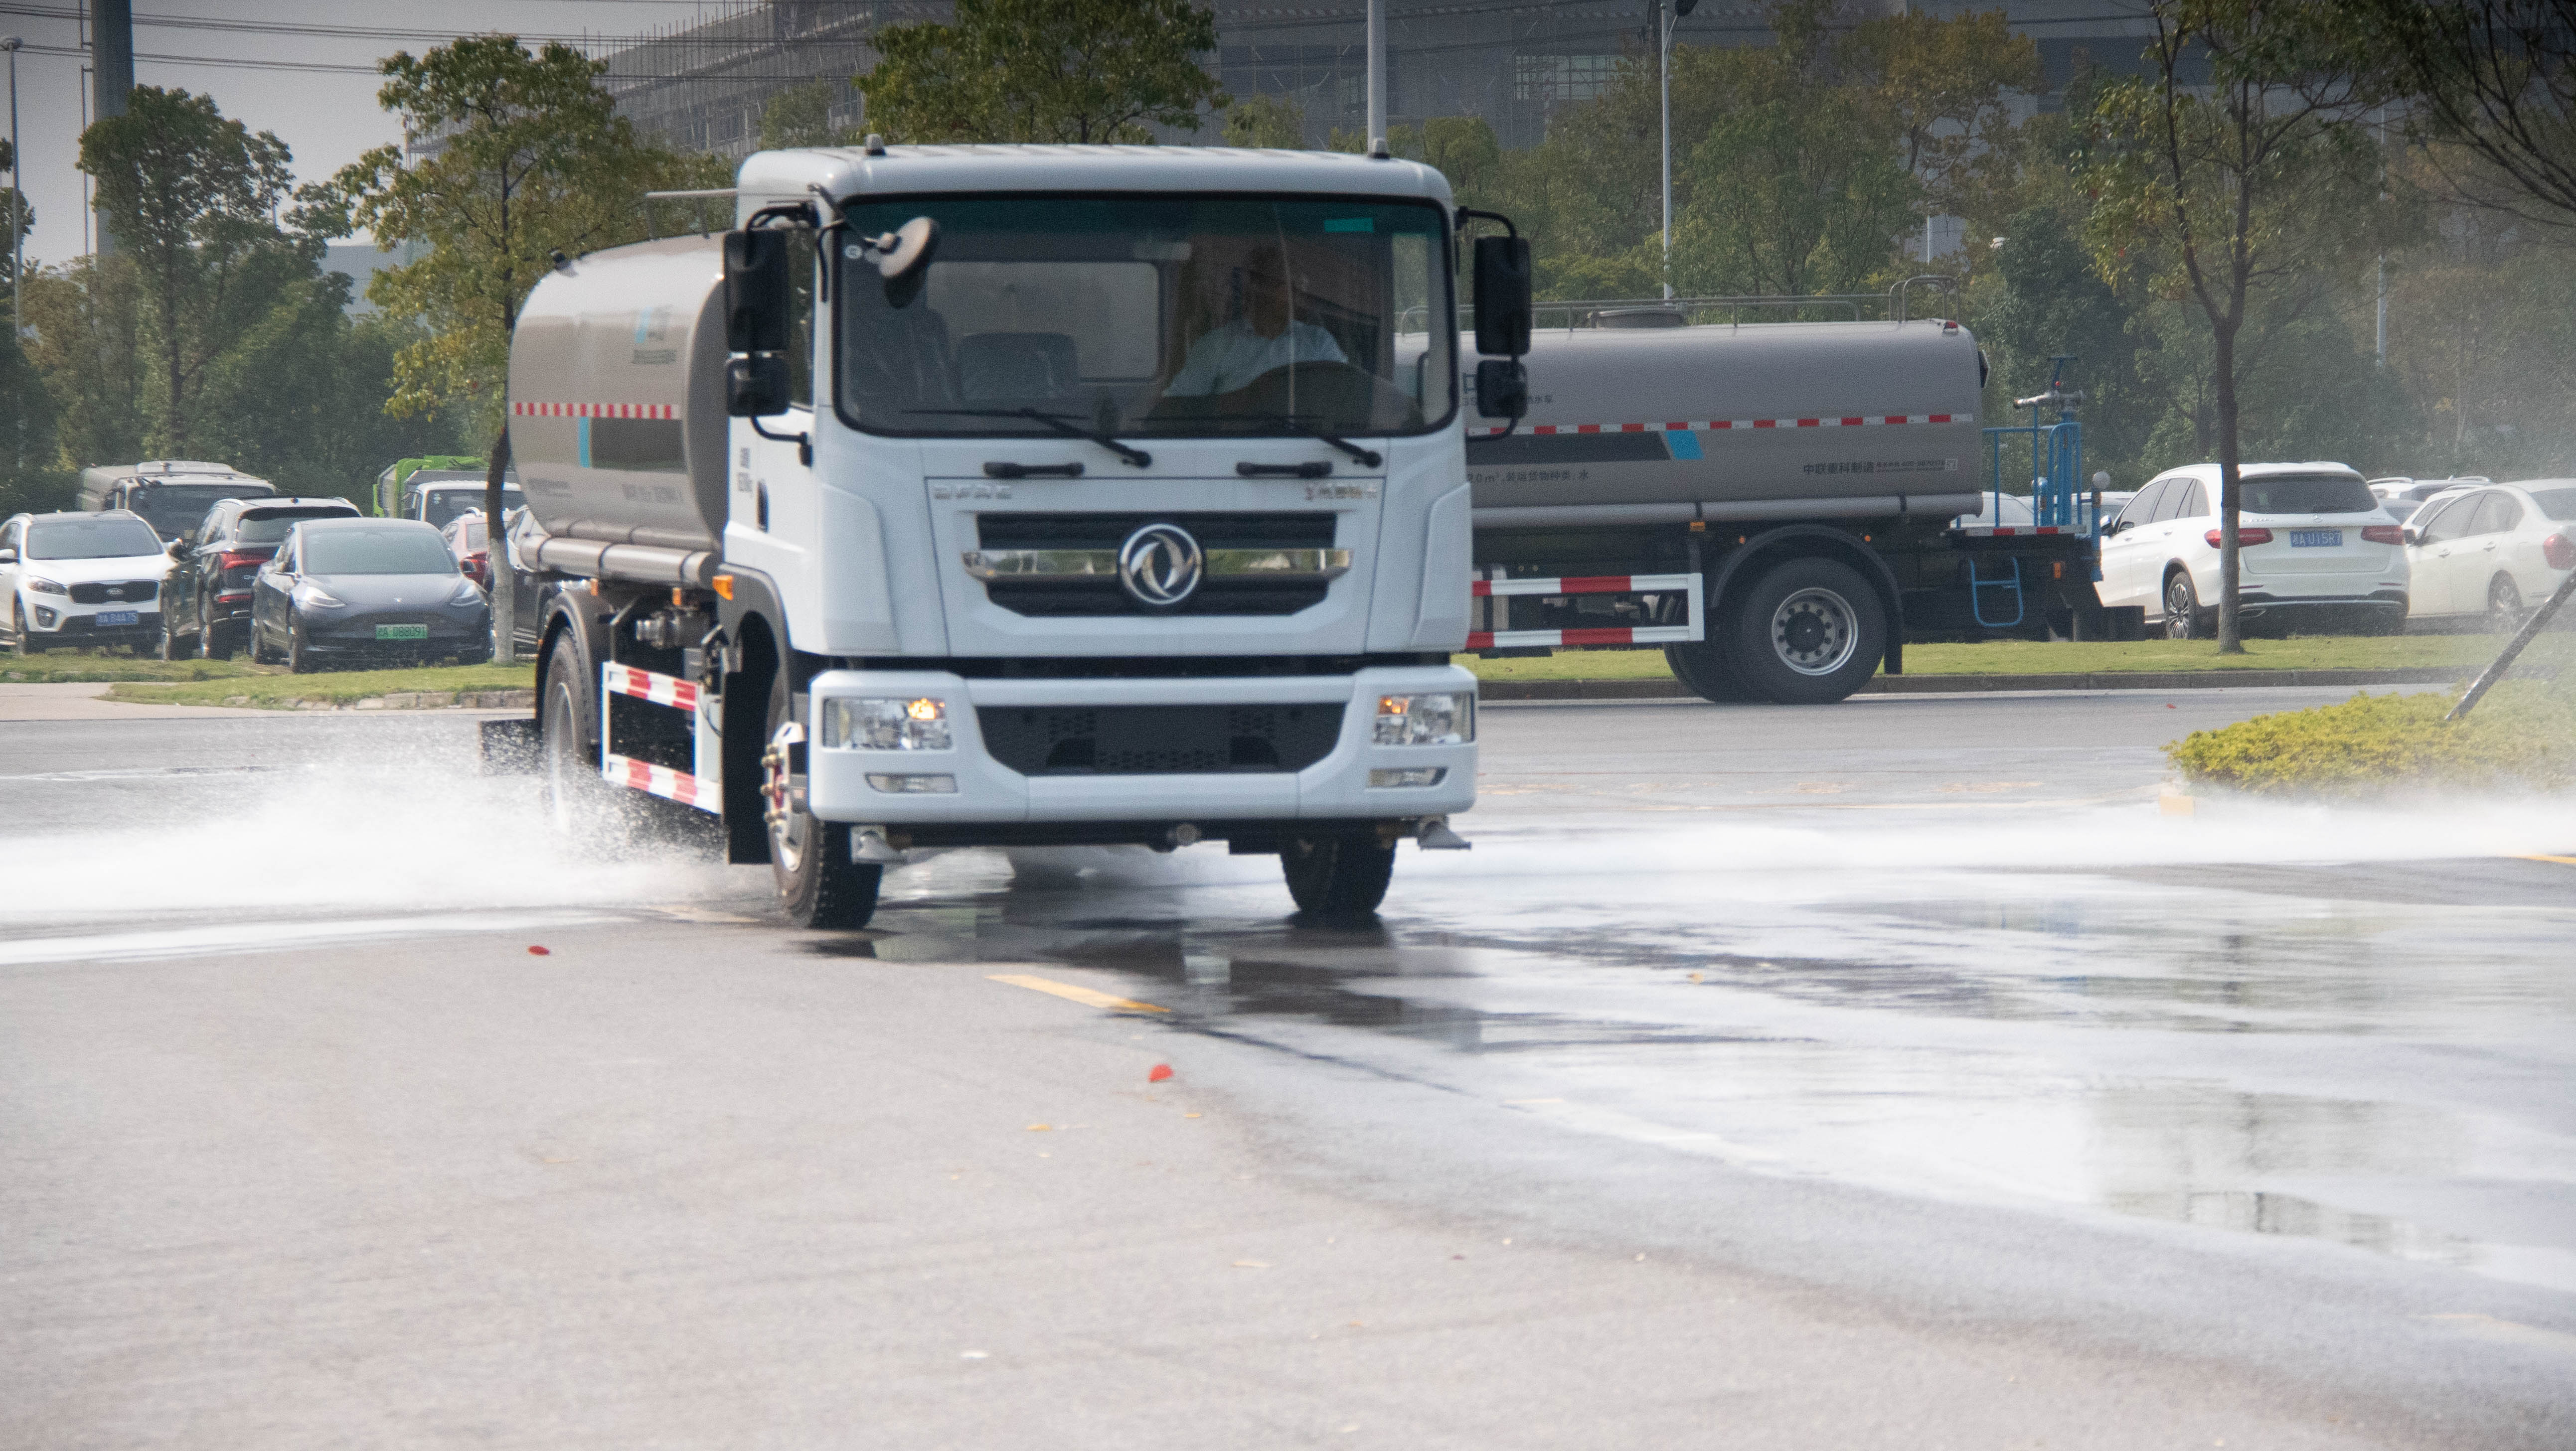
(206, 597)
(361, 592)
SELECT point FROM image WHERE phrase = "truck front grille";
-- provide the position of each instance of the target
(1251, 594)
(1157, 740)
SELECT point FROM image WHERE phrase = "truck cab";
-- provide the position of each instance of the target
(1021, 495)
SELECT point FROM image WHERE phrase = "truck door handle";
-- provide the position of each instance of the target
(1003, 469)
(1312, 469)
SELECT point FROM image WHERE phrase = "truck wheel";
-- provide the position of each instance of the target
(579, 803)
(1809, 632)
(1337, 878)
(818, 885)
(1704, 670)
(2182, 608)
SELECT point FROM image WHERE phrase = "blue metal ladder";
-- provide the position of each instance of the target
(2008, 582)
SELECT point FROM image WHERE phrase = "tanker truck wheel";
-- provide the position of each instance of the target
(818, 885)
(580, 806)
(1337, 878)
(1704, 670)
(1809, 632)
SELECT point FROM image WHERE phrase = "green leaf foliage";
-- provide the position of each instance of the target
(2521, 737)
(1092, 71)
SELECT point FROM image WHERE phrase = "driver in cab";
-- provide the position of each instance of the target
(1260, 333)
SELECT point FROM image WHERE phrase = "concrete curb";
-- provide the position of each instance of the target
(1968, 684)
(411, 700)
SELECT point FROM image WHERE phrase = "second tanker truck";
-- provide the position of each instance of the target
(1778, 506)
(1016, 495)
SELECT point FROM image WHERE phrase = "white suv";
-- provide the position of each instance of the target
(81, 579)
(2315, 550)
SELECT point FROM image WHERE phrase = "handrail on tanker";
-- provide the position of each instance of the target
(1586, 312)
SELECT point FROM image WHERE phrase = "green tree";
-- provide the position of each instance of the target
(2049, 300)
(800, 116)
(1793, 192)
(1268, 122)
(1943, 85)
(85, 321)
(2496, 79)
(518, 156)
(192, 197)
(1045, 71)
(2223, 192)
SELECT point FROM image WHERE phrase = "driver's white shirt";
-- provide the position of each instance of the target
(1231, 355)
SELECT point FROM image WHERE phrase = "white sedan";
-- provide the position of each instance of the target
(2490, 552)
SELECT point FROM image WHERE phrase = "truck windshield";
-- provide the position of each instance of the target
(1160, 317)
(174, 508)
(441, 507)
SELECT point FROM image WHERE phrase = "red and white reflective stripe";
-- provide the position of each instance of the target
(662, 781)
(1596, 584)
(1623, 635)
(2006, 531)
(595, 410)
(1732, 425)
(668, 690)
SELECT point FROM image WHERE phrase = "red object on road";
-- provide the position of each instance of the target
(1161, 1072)
(540, 952)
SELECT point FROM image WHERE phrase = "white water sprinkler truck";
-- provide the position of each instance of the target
(1025, 496)
(999, 495)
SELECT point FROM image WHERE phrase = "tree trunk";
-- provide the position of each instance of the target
(496, 554)
(2230, 638)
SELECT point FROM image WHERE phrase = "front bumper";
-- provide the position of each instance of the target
(344, 633)
(69, 627)
(1334, 788)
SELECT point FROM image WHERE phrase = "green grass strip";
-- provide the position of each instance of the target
(274, 690)
(2521, 737)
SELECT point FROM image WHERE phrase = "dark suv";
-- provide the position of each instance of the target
(206, 599)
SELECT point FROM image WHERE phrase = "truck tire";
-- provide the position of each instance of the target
(819, 887)
(1337, 878)
(1703, 669)
(1808, 632)
(581, 805)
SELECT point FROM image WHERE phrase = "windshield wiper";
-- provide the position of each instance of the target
(1064, 423)
(1368, 457)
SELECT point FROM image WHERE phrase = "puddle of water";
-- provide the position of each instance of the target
(2374, 1074)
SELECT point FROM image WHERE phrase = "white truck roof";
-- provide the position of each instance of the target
(775, 176)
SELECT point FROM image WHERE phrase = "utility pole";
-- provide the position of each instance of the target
(1672, 10)
(2380, 353)
(1377, 77)
(111, 39)
(17, 260)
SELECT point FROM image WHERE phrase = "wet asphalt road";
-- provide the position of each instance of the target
(1954, 1089)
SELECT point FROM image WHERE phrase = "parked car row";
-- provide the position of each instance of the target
(2321, 548)
(302, 582)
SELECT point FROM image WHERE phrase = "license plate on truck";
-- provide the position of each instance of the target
(117, 617)
(2316, 539)
(402, 632)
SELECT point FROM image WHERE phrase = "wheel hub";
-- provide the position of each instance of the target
(1814, 631)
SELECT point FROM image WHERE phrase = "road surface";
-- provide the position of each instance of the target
(1898, 1074)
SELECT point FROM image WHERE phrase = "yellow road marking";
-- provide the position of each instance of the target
(1081, 995)
(2564, 861)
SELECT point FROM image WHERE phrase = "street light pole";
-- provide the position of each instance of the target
(1668, 11)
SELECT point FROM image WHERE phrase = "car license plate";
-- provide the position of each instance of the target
(2316, 539)
(117, 617)
(402, 632)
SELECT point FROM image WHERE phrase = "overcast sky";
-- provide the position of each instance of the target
(327, 117)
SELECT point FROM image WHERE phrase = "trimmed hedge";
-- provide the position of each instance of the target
(2522, 736)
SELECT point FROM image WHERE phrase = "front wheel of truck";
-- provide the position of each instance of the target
(1337, 878)
(818, 885)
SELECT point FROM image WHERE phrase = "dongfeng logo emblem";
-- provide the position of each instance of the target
(1159, 565)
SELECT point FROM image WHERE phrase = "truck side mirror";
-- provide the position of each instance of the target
(1502, 296)
(756, 386)
(760, 298)
(1502, 388)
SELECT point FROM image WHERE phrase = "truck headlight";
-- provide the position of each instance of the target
(1409, 776)
(886, 724)
(1445, 719)
(942, 784)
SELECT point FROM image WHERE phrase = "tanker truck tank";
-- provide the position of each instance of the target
(617, 411)
(1737, 422)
